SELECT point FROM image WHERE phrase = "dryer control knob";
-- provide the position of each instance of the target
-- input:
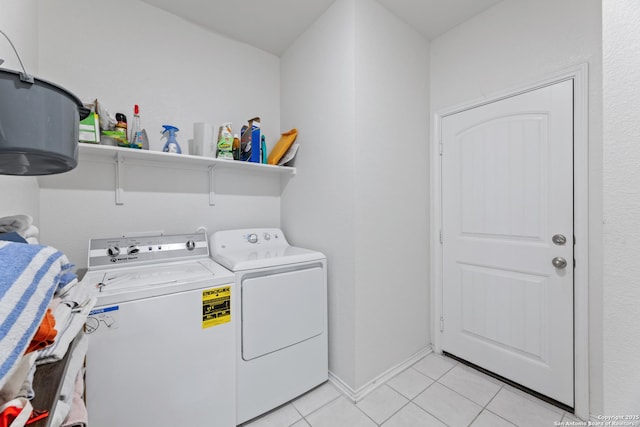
(191, 245)
(252, 238)
(132, 250)
(267, 236)
(113, 251)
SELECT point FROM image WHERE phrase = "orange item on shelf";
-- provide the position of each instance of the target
(282, 146)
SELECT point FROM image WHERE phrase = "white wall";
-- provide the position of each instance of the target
(19, 195)
(125, 52)
(391, 199)
(518, 42)
(317, 206)
(621, 93)
(17, 20)
(128, 52)
(357, 196)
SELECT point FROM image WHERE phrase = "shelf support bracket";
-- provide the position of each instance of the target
(212, 186)
(119, 179)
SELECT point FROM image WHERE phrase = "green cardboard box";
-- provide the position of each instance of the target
(90, 129)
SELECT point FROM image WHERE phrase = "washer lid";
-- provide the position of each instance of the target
(133, 283)
(156, 279)
(131, 279)
(265, 257)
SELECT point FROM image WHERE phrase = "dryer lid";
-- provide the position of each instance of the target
(249, 249)
(265, 257)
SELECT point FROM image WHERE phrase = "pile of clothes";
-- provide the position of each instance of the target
(43, 309)
(19, 228)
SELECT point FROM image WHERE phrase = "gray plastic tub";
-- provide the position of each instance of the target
(39, 126)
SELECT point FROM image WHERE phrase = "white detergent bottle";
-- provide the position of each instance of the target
(171, 146)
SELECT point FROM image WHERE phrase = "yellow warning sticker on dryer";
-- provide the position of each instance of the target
(216, 306)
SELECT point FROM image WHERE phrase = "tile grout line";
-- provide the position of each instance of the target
(533, 399)
(320, 407)
(366, 415)
(409, 399)
(390, 416)
(455, 363)
(503, 386)
(299, 413)
(465, 397)
(494, 413)
(399, 409)
(501, 417)
(484, 408)
(436, 381)
(494, 396)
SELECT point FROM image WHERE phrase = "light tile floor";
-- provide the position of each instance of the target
(436, 391)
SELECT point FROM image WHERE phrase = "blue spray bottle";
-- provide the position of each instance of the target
(171, 146)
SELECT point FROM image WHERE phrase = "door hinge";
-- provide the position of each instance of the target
(441, 324)
(441, 239)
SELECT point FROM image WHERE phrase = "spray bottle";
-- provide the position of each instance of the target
(171, 146)
(138, 135)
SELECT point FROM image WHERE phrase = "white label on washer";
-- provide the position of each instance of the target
(105, 318)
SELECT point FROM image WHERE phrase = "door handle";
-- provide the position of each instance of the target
(559, 239)
(559, 262)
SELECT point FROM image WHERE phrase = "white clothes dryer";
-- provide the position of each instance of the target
(282, 333)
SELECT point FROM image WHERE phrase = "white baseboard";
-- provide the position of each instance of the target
(360, 393)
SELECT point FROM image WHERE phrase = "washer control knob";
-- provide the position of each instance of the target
(267, 236)
(191, 245)
(132, 250)
(252, 238)
(113, 251)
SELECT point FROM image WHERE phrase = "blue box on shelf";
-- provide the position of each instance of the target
(250, 141)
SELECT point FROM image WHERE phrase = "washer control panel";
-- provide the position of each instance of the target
(119, 251)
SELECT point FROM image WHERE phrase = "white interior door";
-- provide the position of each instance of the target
(507, 190)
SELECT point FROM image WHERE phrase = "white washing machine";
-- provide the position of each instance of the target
(282, 333)
(162, 335)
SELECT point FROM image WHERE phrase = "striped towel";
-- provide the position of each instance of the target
(70, 315)
(68, 281)
(29, 275)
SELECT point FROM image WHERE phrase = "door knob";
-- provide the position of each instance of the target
(559, 262)
(559, 239)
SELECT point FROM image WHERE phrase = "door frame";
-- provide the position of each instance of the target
(579, 74)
